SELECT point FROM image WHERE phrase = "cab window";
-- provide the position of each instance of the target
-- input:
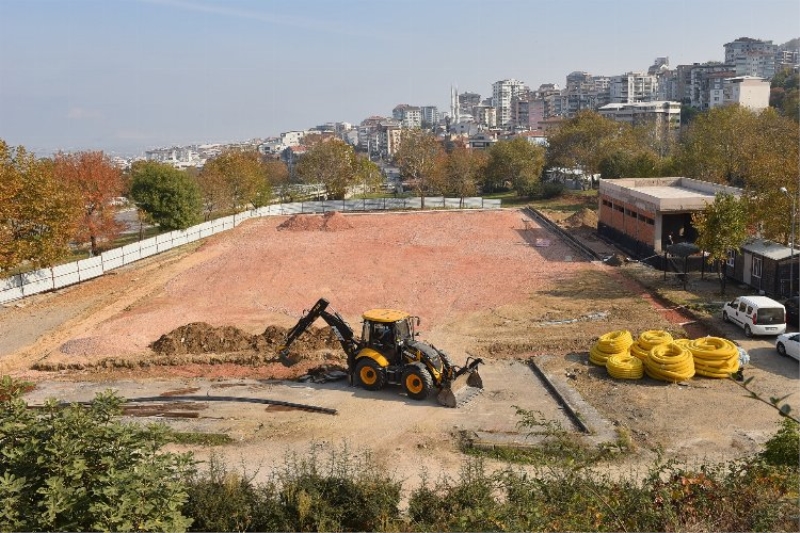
(742, 306)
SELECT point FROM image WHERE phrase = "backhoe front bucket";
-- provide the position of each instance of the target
(461, 389)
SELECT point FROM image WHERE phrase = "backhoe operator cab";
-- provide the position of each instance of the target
(387, 330)
(388, 353)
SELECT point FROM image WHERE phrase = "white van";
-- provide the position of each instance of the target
(758, 315)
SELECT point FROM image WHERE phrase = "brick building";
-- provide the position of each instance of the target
(642, 215)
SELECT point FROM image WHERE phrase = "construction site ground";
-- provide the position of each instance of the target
(204, 320)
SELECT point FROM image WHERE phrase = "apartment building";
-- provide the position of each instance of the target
(747, 91)
(503, 92)
(633, 87)
(429, 115)
(665, 117)
(752, 57)
(408, 115)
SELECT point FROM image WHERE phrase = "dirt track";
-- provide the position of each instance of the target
(492, 284)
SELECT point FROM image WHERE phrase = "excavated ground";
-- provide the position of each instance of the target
(491, 284)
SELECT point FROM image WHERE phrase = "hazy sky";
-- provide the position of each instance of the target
(125, 75)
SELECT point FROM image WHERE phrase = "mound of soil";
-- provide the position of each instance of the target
(330, 221)
(203, 338)
(584, 217)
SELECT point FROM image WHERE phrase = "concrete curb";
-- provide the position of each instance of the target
(598, 430)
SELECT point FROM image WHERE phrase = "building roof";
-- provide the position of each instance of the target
(675, 194)
(768, 249)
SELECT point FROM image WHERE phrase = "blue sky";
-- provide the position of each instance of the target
(125, 75)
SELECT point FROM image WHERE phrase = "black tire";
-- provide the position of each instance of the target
(781, 349)
(725, 317)
(417, 381)
(370, 375)
(747, 331)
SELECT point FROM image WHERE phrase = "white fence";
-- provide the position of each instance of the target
(47, 279)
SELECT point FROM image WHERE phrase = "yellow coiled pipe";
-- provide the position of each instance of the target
(625, 366)
(669, 362)
(611, 343)
(714, 357)
(647, 340)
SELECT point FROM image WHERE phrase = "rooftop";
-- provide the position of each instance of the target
(665, 194)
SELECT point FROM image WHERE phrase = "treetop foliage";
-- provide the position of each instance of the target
(170, 197)
(99, 182)
(38, 214)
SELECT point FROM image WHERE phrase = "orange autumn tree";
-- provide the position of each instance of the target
(99, 183)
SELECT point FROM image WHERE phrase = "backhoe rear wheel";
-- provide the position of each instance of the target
(417, 381)
(370, 374)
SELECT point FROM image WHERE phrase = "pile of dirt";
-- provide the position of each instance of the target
(203, 338)
(616, 260)
(330, 221)
(584, 217)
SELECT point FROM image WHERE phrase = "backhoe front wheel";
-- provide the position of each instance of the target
(370, 374)
(417, 381)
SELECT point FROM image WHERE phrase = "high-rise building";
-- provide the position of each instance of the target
(408, 115)
(633, 87)
(429, 115)
(503, 92)
(752, 57)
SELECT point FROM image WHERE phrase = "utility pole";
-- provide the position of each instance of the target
(785, 191)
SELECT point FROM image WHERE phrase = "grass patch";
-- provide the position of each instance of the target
(200, 439)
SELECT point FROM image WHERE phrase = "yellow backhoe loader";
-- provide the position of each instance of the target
(388, 353)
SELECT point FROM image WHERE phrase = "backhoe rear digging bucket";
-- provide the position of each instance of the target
(288, 359)
(461, 390)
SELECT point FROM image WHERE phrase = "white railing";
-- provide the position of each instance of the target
(47, 279)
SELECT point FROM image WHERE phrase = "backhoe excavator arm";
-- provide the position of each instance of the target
(344, 333)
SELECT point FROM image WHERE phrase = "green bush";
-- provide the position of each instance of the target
(346, 493)
(75, 468)
(783, 449)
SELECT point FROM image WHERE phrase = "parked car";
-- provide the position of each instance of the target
(758, 315)
(792, 316)
(788, 345)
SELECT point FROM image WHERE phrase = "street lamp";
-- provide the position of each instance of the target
(791, 240)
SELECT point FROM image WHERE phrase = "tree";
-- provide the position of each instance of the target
(332, 163)
(458, 172)
(416, 158)
(76, 468)
(368, 173)
(38, 215)
(517, 164)
(785, 93)
(711, 148)
(235, 177)
(756, 151)
(99, 183)
(721, 227)
(585, 141)
(277, 174)
(170, 197)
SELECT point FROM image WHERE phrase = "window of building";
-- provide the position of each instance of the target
(756, 267)
(731, 258)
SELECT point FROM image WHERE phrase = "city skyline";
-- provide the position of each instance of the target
(136, 74)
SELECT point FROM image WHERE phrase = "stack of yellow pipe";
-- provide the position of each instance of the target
(714, 357)
(669, 362)
(611, 343)
(625, 366)
(647, 341)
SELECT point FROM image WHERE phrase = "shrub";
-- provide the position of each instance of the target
(783, 449)
(75, 468)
